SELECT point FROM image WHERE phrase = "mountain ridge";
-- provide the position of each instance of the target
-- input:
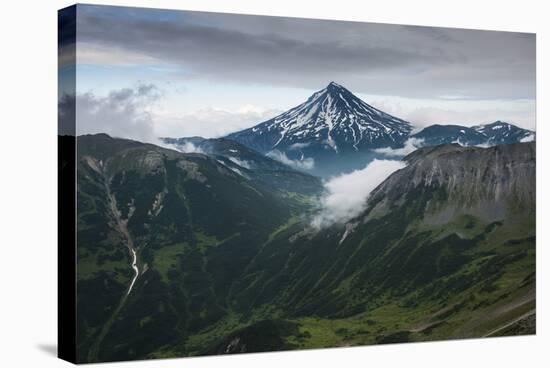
(249, 163)
(491, 134)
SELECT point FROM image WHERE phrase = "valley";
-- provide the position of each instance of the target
(225, 259)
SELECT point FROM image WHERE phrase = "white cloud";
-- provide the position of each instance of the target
(346, 195)
(124, 113)
(304, 164)
(298, 146)
(425, 112)
(241, 163)
(410, 145)
(213, 122)
(187, 147)
(136, 113)
(481, 145)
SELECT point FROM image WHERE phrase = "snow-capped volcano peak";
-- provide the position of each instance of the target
(333, 86)
(332, 118)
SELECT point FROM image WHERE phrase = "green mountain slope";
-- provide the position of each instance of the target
(193, 224)
(249, 163)
(445, 248)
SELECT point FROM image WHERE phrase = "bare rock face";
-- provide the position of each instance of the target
(485, 182)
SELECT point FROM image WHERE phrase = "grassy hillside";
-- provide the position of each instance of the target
(445, 248)
(194, 223)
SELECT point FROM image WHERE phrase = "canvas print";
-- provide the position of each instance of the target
(238, 183)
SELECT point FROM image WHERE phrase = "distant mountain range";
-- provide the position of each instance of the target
(339, 132)
(498, 132)
(335, 132)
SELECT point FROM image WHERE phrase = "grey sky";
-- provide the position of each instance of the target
(241, 56)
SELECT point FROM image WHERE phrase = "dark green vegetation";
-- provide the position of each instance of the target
(228, 262)
(195, 225)
(249, 163)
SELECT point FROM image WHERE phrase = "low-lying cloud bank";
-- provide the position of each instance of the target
(307, 163)
(410, 145)
(214, 122)
(241, 163)
(346, 195)
(123, 113)
(187, 147)
(136, 112)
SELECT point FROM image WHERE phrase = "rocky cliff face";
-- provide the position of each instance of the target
(485, 182)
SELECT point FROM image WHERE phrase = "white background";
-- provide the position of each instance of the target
(28, 187)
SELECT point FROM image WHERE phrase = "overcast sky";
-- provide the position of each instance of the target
(146, 72)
